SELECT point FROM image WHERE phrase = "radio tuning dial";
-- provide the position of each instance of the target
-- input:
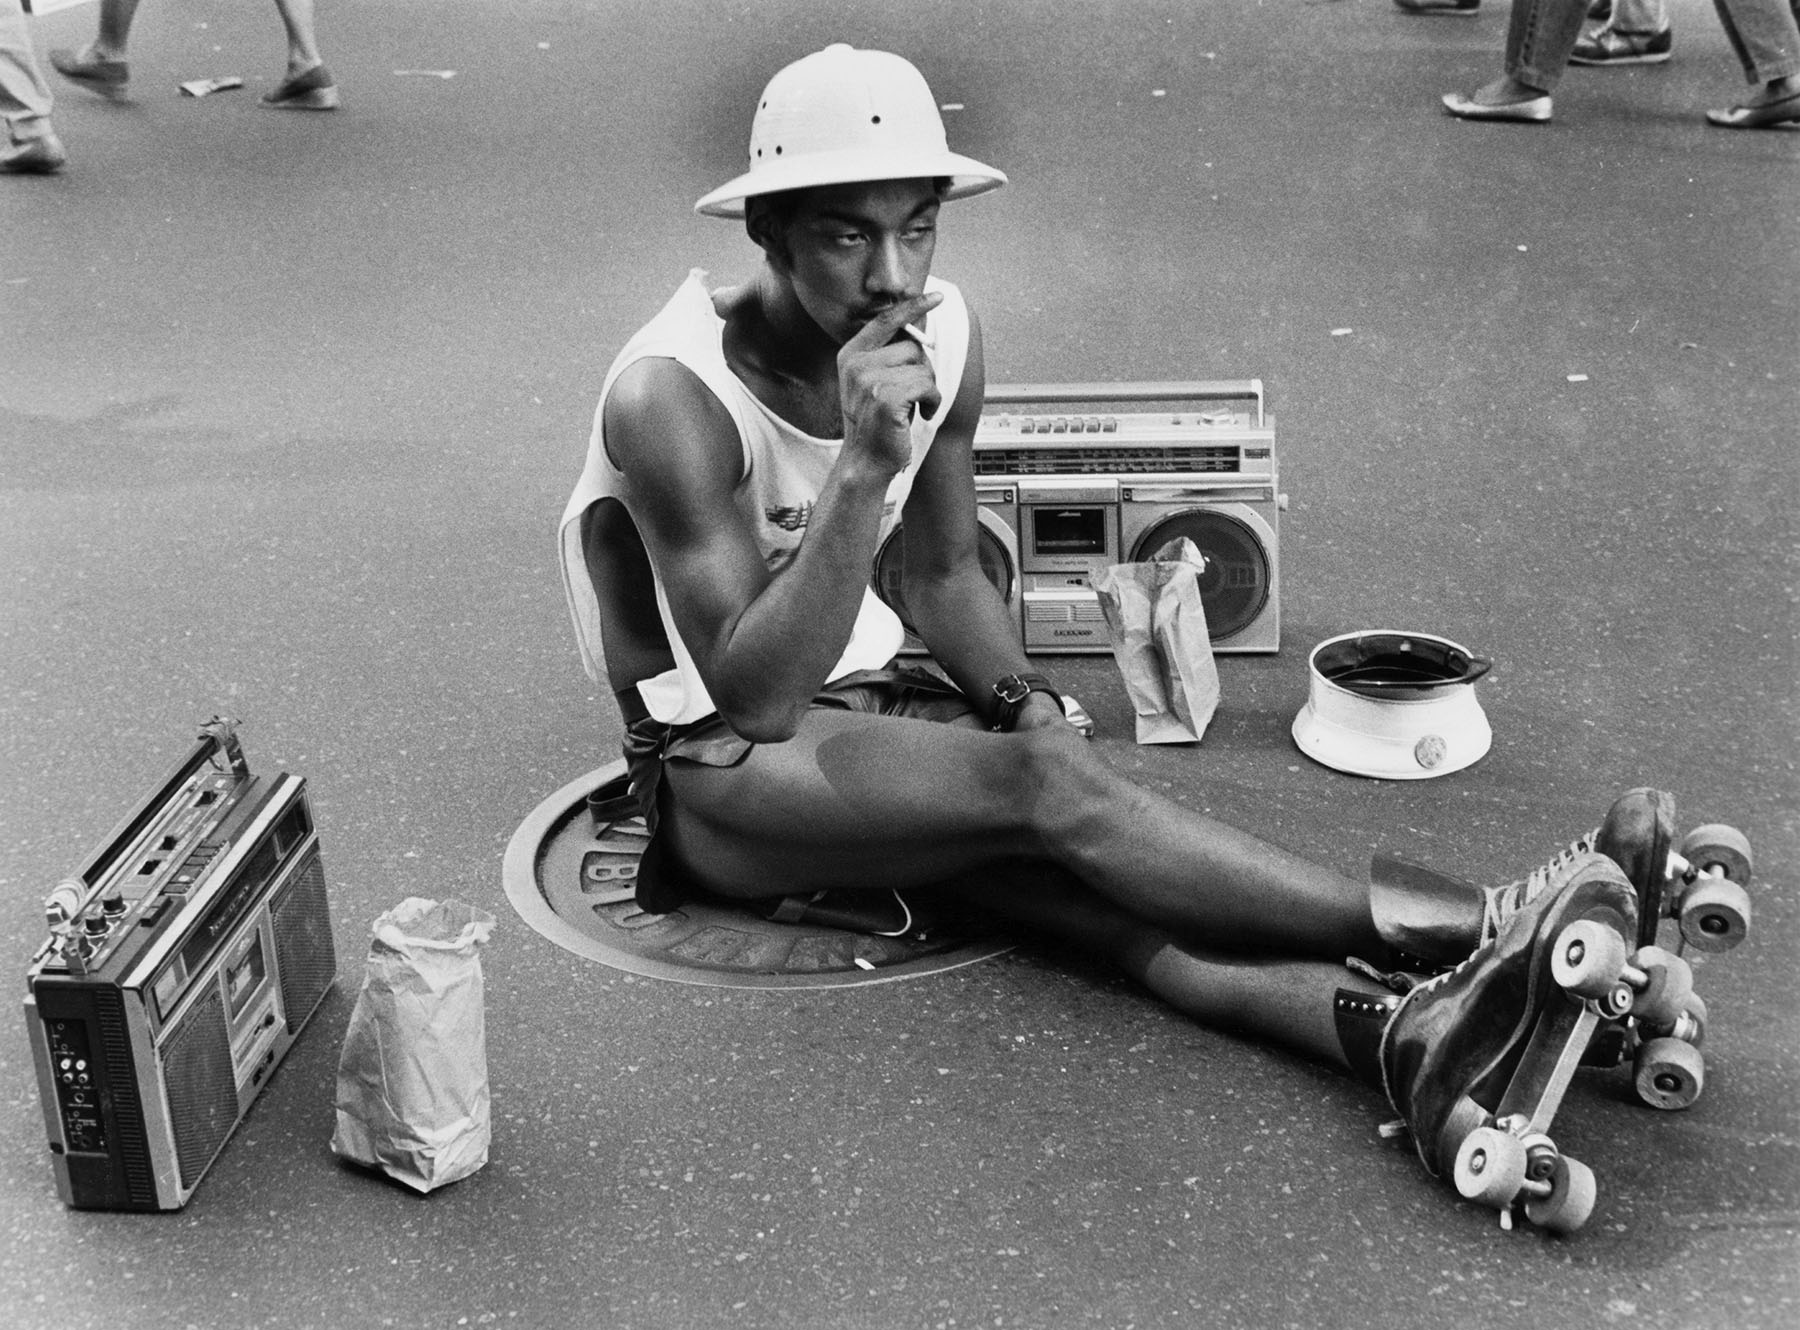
(64, 902)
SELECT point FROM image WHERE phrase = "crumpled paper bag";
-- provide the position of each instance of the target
(1157, 624)
(412, 1088)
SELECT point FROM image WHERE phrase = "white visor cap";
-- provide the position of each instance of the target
(840, 116)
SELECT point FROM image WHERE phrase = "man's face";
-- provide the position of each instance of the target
(854, 250)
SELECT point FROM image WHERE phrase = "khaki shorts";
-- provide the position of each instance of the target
(893, 690)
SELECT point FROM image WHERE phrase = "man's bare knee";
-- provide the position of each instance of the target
(1063, 790)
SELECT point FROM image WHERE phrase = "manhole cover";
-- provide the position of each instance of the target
(572, 879)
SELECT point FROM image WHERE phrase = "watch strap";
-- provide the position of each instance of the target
(1010, 692)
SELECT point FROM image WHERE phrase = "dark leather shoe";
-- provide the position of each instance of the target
(315, 90)
(106, 77)
(1458, 1041)
(42, 155)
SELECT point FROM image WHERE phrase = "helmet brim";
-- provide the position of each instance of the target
(967, 176)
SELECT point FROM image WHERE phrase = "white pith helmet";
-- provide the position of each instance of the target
(840, 116)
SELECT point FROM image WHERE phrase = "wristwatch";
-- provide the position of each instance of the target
(1011, 690)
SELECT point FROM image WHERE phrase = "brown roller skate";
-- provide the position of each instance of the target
(1698, 884)
(1477, 1059)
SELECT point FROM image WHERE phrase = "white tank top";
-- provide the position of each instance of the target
(784, 470)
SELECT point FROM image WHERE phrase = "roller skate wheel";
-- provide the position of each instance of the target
(1670, 983)
(1490, 1167)
(1589, 958)
(1715, 914)
(1573, 1192)
(1716, 849)
(1669, 1074)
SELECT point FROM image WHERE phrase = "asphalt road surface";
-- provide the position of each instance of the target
(289, 406)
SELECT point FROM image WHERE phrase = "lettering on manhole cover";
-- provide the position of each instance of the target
(572, 875)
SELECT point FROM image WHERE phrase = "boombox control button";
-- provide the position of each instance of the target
(64, 902)
(96, 924)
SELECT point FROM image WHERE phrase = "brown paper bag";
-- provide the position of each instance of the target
(1157, 624)
(412, 1089)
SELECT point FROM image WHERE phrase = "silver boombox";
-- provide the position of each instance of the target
(1074, 477)
(184, 959)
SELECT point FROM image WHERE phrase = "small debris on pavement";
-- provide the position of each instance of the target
(201, 87)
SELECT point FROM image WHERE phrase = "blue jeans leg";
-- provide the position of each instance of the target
(1540, 37)
(1765, 34)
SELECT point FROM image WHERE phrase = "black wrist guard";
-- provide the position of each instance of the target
(1010, 692)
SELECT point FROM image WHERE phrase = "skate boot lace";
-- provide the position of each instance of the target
(1500, 903)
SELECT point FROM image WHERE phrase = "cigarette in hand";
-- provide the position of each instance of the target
(919, 335)
(927, 344)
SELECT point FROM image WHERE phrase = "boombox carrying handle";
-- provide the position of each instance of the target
(217, 739)
(1022, 394)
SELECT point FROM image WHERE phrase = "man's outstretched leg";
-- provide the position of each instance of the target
(1475, 1061)
(856, 800)
(1271, 999)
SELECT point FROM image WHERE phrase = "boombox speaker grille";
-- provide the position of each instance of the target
(303, 946)
(203, 1101)
(1235, 585)
(128, 1110)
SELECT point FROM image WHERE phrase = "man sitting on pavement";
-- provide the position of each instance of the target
(752, 447)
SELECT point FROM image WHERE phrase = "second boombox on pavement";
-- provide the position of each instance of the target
(1073, 477)
(185, 958)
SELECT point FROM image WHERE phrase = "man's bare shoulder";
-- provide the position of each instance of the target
(655, 384)
(659, 410)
